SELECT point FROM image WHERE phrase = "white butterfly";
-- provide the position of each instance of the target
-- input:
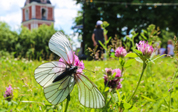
(59, 77)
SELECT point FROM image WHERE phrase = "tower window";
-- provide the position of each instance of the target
(44, 14)
(26, 14)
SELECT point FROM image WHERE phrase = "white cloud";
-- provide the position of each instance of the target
(11, 12)
(7, 5)
(68, 4)
(12, 18)
(65, 12)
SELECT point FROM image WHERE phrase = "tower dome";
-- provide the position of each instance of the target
(36, 13)
(38, 1)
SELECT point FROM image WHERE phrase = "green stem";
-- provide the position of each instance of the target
(67, 103)
(171, 90)
(143, 69)
(170, 102)
(122, 62)
(122, 70)
(105, 86)
(55, 108)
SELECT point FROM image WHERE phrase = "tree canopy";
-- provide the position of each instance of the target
(125, 16)
(31, 44)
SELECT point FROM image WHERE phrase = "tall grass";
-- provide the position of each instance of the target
(152, 95)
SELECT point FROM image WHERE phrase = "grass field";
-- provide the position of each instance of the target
(153, 93)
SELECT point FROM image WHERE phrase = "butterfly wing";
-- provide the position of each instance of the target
(47, 72)
(89, 95)
(56, 92)
(60, 45)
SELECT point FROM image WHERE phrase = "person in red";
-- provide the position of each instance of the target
(98, 35)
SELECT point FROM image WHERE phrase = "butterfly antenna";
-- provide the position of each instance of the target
(87, 70)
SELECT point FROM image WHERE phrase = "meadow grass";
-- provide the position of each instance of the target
(152, 95)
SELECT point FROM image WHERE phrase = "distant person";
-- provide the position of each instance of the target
(98, 35)
(170, 48)
(162, 50)
(112, 53)
(157, 46)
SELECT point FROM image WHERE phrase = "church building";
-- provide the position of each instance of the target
(36, 13)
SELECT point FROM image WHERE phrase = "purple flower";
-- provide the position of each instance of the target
(145, 48)
(108, 71)
(117, 71)
(105, 79)
(120, 52)
(119, 85)
(78, 63)
(8, 93)
(109, 81)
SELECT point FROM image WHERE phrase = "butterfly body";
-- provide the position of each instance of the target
(68, 72)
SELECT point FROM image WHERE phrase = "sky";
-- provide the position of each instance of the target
(65, 11)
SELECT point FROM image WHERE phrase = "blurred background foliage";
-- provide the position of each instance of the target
(33, 44)
(25, 43)
(155, 23)
(124, 17)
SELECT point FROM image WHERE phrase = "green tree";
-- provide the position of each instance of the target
(31, 44)
(129, 14)
(8, 38)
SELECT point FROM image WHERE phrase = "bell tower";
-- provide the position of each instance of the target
(36, 13)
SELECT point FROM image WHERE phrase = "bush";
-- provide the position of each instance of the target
(26, 44)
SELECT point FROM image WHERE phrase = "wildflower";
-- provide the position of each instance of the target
(117, 71)
(108, 71)
(145, 48)
(110, 81)
(170, 90)
(119, 85)
(120, 52)
(8, 93)
(77, 62)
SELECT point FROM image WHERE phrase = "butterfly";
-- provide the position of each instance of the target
(58, 78)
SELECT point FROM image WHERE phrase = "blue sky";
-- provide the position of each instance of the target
(65, 12)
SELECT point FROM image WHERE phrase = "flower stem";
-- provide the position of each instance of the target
(122, 70)
(122, 63)
(170, 102)
(143, 69)
(171, 90)
(55, 108)
(67, 103)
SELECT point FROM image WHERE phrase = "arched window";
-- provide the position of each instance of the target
(26, 14)
(44, 13)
